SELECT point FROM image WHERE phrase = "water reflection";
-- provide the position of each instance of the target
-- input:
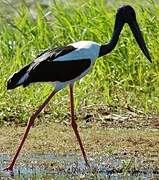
(68, 166)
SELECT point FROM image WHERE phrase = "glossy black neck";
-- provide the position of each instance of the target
(108, 47)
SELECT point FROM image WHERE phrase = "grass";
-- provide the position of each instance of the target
(124, 78)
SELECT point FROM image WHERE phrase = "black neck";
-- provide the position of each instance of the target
(108, 47)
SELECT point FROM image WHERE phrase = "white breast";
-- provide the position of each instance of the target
(85, 50)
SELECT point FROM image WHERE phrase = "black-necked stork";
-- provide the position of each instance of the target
(64, 65)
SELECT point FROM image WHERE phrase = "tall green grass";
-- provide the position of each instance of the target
(124, 78)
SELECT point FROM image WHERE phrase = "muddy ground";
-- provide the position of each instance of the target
(127, 137)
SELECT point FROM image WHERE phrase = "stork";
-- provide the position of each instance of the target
(65, 65)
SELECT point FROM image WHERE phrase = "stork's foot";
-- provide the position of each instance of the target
(87, 164)
(9, 169)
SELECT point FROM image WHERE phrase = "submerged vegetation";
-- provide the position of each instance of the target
(122, 79)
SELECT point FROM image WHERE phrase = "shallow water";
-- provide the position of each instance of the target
(50, 166)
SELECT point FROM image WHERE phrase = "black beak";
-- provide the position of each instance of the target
(139, 38)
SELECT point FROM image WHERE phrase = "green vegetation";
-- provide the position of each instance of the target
(122, 79)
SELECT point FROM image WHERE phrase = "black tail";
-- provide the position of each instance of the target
(13, 81)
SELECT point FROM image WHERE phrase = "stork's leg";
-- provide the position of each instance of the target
(30, 123)
(74, 125)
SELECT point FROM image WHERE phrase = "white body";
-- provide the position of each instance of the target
(85, 50)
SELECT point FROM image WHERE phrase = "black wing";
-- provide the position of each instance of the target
(61, 71)
(38, 66)
(56, 52)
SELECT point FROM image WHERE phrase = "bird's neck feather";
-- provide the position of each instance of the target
(108, 47)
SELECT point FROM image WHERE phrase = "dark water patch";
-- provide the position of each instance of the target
(51, 166)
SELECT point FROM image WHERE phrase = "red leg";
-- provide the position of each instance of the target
(30, 123)
(74, 125)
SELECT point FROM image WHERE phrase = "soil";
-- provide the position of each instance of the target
(129, 136)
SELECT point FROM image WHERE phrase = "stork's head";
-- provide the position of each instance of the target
(126, 14)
